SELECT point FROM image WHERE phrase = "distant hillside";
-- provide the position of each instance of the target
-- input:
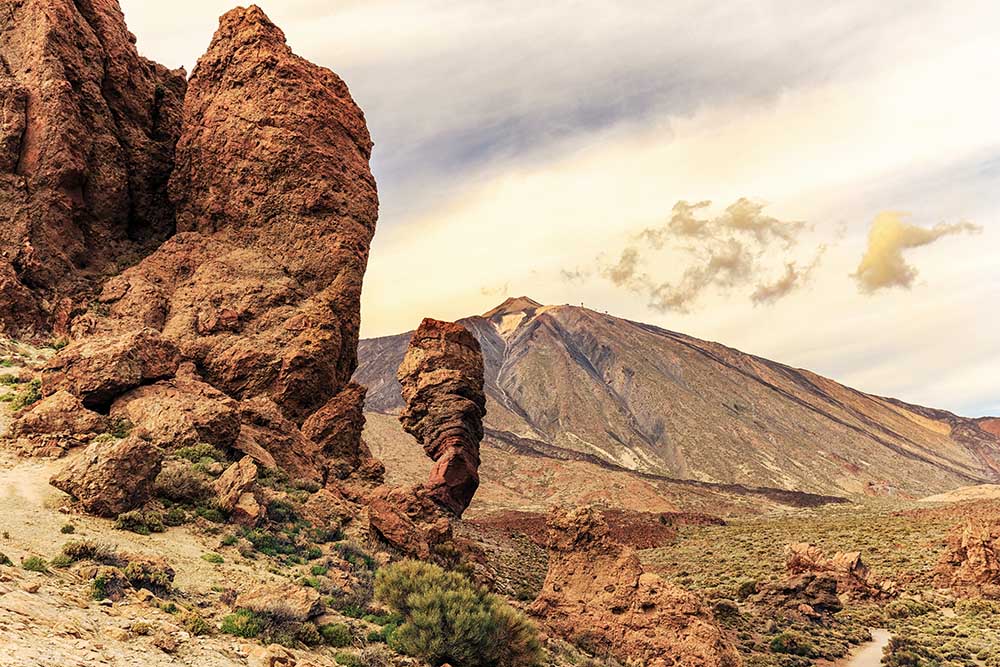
(567, 382)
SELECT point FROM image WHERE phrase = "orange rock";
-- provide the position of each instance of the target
(596, 594)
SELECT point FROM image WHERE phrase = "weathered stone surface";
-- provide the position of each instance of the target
(100, 369)
(409, 519)
(111, 477)
(87, 135)
(852, 576)
(972, 561)
(181, 411)
(288, 603)
(597, 593)
(265, 428)
(336, 428)
(238, 479)
(276, 209)
(442, 383)
(325, 508)
(54, 425)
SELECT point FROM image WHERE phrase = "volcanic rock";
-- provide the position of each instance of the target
(851, 574)
(181, 411)
(409, 519)
(336, 428)
(442, 384)
(276, 207)
(972, 562)
(596, 594)
(54, 425)
(111, 477)
(238, 479)
(87, 135)
(286, 603)
(265, 428)
(100, 369)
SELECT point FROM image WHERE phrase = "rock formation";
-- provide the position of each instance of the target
(87, 135)
(442, 380)
(112, 476)
(597, 595)
(55, 425)
(972, 561)
(852, 575)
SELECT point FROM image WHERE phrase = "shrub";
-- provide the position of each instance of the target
(793, 643)
(244, 623)
(201, 451)
(108, 583)
(336, 635)
(149, 574)
(78, 550)
(175, 516)
(194, 623)
(120, 427)
(30, 394)
(138, 521)
(68, 529)
(446, 618)
(4, 560)
(906, 608)
(35, 564)
(355, 555)
(213, 558)
(901, 652)
(183, 484)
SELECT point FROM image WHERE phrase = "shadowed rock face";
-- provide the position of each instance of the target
(972, 562)
(276, 208)
(87, 135)
(597, 593)
(442, 380)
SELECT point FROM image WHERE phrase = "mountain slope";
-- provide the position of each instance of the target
(642, 398)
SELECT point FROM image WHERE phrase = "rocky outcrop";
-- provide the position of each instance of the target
(442, 383)
(336, 428)
(87, 135)
(409, 520)
(54, 425)
(276, 207)
(111, 476)
(972, 561)
(282, 603)
(853, 577)
(597, 595)
(266, 433)
(99, 370)
(237, 480)
(181, 411)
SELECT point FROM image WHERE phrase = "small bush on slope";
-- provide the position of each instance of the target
(447, 619)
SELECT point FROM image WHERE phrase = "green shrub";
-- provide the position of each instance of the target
(336, 635)
(213, 558)
(61, 561)
(355, 555)
(120, 427)
(138, 521)
(183, 484)
(906, 608)
(30, 394)
(793, 643)
(108, 583)
(78, 550)
(194, 623)
(149, 574)
(175, 516)
(244, 623)
(35, 564)
(9, 379)
(901, 652)
(201, 451)
(68, 529)
(4, 560)
(446, 618)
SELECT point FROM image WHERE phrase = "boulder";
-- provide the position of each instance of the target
(181, 411)
(111, 477)
(853, 577)
(596, 594)
(265, 428)
(972, 560)
(336, 428)
(87, 135)
(281, 602)
(100, 369)
(237, 480)
(409, 520)
(442, 384)
(54, 425)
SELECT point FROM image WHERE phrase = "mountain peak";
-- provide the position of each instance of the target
(515, 304)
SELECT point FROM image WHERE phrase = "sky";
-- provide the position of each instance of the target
(817, 183)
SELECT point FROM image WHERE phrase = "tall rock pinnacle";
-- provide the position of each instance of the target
(87, 135)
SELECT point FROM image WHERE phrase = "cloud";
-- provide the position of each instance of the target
(726, 252)
(883, 265)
